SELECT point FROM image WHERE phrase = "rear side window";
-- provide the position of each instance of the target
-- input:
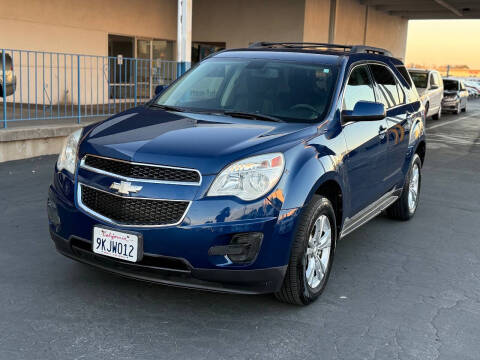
(359, 88)
(433, 79)
(438, 79)
(387, 86)
(403, 71)
(401, 94)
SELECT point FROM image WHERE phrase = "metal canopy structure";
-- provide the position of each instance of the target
(428, 9)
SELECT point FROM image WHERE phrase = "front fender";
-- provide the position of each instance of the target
(311, 166)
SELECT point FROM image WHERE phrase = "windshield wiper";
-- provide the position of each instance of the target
(255, 116)
(167, 107)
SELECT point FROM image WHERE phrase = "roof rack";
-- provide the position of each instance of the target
(322, 46)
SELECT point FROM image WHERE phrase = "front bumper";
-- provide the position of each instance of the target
(168, 271)
(179, 255)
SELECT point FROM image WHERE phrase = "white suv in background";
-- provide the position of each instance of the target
(429, 85)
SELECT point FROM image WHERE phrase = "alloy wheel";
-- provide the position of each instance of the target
(413, 188)
(317, 256)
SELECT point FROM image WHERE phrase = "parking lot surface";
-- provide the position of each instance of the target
(398, 290)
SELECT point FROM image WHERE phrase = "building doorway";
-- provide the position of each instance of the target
(120, 51)
(156, 64)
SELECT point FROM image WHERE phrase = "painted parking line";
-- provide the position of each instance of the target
(455, 120)
(448, 139)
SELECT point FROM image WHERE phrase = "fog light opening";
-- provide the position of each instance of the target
(243, 248)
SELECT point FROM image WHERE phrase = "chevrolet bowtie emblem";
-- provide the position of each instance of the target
(125, 187)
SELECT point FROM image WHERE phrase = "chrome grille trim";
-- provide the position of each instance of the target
(101, 217)
(126, 178)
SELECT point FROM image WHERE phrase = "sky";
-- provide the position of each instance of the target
(444, 42)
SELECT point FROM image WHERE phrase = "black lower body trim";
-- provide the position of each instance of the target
(258, 281)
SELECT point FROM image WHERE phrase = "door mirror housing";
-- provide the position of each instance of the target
(159, 89)
(365, 111)
(434, 86)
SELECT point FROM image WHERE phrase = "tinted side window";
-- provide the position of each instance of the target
(359, 88)
(387, 85)
(433, 79)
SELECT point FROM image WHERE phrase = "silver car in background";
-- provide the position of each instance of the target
(429, 85)
(455, 96)
(10, 79)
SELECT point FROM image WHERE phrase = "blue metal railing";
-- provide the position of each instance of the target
(54, 87)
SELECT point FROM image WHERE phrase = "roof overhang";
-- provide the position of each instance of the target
(428, 9)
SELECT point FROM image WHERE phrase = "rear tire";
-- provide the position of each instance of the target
(438, 115)
(314, 240)
(404, 208)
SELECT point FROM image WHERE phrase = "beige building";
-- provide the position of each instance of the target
(148, 28)
(109, 34)
(79, 61)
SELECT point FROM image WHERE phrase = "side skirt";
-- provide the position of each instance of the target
(368, 213)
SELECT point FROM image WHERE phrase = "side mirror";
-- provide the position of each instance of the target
(365, 111)
(159, 89)
(434, 86)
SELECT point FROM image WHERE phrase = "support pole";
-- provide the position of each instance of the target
(331, 25)
(184, 36)
(4, 90)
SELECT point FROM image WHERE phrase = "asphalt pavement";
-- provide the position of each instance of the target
(398, 290)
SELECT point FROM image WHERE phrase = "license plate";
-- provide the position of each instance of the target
(117, 244)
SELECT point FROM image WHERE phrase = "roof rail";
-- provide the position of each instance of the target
(299, 45)
(370, 50)
(321, 46)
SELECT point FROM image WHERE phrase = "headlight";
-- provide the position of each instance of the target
(68, 156)
(249, 178)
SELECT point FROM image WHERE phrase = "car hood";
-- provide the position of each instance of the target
(205, 142)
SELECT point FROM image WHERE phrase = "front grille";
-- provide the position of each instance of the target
(143, 171)
(133, 211)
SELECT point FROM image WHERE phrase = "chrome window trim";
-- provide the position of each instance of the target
(126, 178)
(110, 221)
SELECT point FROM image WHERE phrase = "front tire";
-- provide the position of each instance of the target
(406, 206)
(311, 254)
(427, 106)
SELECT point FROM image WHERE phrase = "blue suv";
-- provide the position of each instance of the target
(243, 174)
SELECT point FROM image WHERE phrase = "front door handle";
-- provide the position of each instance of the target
(381, 131)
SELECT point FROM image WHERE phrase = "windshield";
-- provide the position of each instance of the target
(281, 90)
(450, 85)
(419, 79)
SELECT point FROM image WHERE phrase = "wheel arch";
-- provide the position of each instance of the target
(421, 150)
(332, 190)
